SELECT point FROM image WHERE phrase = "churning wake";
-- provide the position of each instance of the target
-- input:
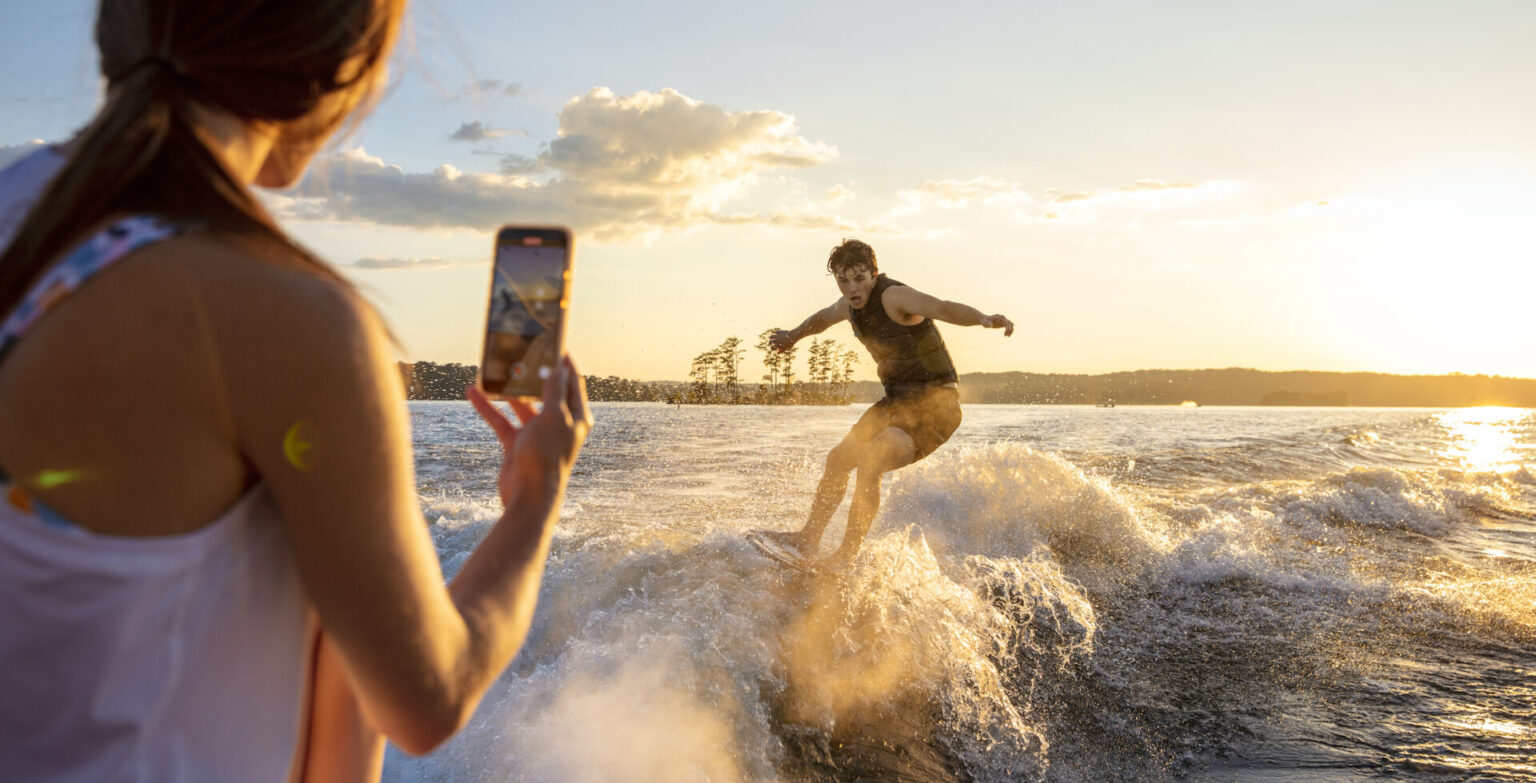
(1014, 616)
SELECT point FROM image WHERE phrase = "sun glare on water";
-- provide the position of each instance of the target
(1484, 439)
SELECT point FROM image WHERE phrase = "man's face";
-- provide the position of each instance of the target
(855, 283)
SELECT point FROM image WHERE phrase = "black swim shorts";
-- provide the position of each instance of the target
(930, 416)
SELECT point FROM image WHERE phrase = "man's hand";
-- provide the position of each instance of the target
(998, 322)
(782, 340)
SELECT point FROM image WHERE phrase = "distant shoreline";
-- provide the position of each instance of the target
(1242, 386)
(1211, 387)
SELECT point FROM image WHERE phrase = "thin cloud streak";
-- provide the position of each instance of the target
(410, 263)
(479, 131)
(1017, 201)
(499, 87)
(482, 91)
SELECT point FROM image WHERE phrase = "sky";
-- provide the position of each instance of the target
(1339, 185)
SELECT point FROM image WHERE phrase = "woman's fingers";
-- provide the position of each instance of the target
(556, 384)
(500, 424)
(522, 408)
(576, 395)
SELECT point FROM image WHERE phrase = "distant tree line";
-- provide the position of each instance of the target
(715, 377)
(616, 389)
(432, 381)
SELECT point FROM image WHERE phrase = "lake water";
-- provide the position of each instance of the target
(1058, 593)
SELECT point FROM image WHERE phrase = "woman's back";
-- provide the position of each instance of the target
(136, 616)
(122, 391)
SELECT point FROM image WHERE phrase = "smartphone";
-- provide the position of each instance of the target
(525, 320)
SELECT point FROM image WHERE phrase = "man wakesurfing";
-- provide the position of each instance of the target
(921, 408)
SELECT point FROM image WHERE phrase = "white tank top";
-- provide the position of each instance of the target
(169, 658)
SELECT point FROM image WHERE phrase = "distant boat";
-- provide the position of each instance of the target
(1189, 404)
(1105, 404)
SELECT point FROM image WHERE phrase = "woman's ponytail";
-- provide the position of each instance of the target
(142, 154)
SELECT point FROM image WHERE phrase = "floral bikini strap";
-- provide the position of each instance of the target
(102, 250)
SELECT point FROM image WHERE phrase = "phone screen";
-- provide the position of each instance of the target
(525, 322)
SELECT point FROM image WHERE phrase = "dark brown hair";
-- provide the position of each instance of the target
(852, 253)
(274, 61)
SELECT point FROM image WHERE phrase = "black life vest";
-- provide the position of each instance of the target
(907, 358)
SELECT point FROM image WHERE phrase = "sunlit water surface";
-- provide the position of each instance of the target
(1059, 593)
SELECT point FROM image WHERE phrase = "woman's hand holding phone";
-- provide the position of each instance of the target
(542, 447)
(497, 588)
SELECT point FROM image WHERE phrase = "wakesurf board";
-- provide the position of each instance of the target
(783, 554)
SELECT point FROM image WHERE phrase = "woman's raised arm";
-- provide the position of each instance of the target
(318, 408)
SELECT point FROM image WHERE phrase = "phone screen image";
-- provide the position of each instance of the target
(526, 317)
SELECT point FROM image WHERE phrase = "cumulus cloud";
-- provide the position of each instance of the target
(354, 185)
(519, 164)
(620, 168)
(410, 263)
(654, 141)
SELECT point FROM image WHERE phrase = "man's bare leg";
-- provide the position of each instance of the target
(891, 450)
(829, 493)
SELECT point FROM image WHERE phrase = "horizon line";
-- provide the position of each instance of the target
(1453, 374)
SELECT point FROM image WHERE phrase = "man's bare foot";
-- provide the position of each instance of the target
(837, 561)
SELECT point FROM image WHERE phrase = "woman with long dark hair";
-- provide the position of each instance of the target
(212, 561)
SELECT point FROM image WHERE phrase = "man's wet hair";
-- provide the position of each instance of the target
(852, 254)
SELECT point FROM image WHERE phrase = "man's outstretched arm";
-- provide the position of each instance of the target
(818, 322)
(905, 303)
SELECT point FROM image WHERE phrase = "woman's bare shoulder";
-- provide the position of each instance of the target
(245, 290)
(286, 343)
(275, 330)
